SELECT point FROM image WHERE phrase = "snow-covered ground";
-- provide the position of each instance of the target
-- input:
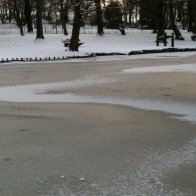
(15, 46)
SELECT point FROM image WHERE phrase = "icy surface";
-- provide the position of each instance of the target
(39, 93)
(191, 68)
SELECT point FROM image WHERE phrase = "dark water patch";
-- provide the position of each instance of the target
(7, 159)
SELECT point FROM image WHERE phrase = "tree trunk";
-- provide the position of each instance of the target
(76, 27)
(125, 17)
(178, 35)
(142, 14)
(99, 17)
(194, 16)
(154, 17)
(28, 16)
(10, 10)
(39, 24)
(65, 32)
(190, 15)
(63, 16)
(18, 18)
(160, 17)
(184, 21)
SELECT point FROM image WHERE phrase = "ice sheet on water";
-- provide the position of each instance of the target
(191, 68)
(41, 93)
(38, 93)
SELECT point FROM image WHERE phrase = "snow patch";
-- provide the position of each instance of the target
(191, 68)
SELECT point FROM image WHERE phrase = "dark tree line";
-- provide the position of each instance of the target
(165, 14)
(157, 15)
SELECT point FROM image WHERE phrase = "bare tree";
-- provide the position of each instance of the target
(190, 15)
(178, 35)
(18, 16)
(160, 14)
(64, 15)
(28, 17)
(76, 26)
(39, 25)
(194, 16)
(99, 16)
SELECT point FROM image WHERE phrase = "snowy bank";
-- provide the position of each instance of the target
(15, 46)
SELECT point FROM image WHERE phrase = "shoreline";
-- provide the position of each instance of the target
(46, 148)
